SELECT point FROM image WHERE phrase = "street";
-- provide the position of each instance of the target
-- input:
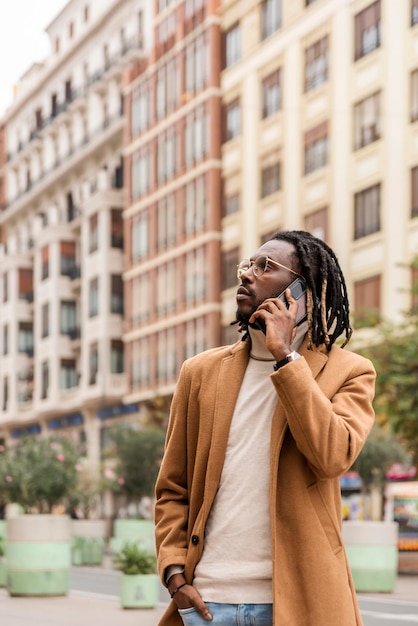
(375, 610)
(387, 612)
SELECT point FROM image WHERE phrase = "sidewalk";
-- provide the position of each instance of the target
(85, 609)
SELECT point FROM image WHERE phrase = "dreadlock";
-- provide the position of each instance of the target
(326, 298)
(326, 292)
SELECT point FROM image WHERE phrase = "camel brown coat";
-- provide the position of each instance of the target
(322, 418)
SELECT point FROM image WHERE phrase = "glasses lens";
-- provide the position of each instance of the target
(242, 267)
(259, 265)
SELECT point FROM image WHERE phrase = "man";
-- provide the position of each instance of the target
(248, 511)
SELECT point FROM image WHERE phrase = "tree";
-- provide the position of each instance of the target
(395, 356)
(379, 453)
(138, 456)
(38, 472)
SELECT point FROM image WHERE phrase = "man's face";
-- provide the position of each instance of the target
(253, 290)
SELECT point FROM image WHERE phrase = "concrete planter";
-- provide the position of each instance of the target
(133, 530)
(139, 591)
(372, 554)
(38, 555)
(3, 575)
(87, 541)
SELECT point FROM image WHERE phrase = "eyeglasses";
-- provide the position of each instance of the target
(259, 266)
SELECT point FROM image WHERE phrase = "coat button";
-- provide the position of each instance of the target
(195, 540)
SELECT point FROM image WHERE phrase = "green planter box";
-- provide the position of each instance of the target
(3, 574)
(87, 550)
(133, 530)
(139, 591)
(38, 555)
(372, 554)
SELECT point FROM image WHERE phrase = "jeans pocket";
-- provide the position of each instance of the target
(191, 617)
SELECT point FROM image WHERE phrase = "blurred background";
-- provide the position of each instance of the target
(146, 147)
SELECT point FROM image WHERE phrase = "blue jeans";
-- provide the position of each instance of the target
(231, 615)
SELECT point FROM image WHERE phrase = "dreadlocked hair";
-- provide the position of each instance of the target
(326, 298)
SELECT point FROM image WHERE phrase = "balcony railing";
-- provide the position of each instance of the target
(131, 44)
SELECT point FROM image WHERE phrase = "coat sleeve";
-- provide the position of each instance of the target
(331, 422)
(172, 498)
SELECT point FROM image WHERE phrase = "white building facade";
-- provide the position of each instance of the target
(61, 300)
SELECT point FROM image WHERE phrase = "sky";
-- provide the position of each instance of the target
(23, 40)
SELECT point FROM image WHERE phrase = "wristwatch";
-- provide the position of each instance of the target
(289, 357)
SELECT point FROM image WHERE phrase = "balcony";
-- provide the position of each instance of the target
(90, 147)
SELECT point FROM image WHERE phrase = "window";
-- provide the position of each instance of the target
(196, 136)
(167, 88)
(45, 320)
(316, 64)
(141, 172)
(140, 236)
(68, 374)
(167, 163)
(194, 14)
(6, 339)
(367, 121)
(141, 362)
(270, 176)
(166, 288)
(45, 262)
(195, 337)
(94, 297)
(44, 379)
(271, 94)
(166, 222)
(316, 148)
(196, 206)
(232, 45)
(196, 276)
(367, 211)
(367, 30)
(25, 338)
(116, 299)
(367, 297)
(270, 17)
(140, 299)
(5, 393)
(414, 286)
(317, 223)
(68, 264)
(116, 229)
(414, 191)
(166, 357)
(26, 285)
(230, 260)
(196, 65)
(414, 96)
(414, 12)
(68, 318)
(93, 364)
(232, 120)
(93, 233)
(116, 357)
(5, 287)
(141, 110)
(231, 204)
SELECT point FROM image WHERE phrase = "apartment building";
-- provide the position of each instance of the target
(320, 109)
(61, 257)
(173, 217)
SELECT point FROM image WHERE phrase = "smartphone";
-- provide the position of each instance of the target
(298, 289)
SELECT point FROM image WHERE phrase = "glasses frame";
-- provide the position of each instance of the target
(251, 264)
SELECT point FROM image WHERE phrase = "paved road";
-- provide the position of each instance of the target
(383, 610)
(386, 612)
